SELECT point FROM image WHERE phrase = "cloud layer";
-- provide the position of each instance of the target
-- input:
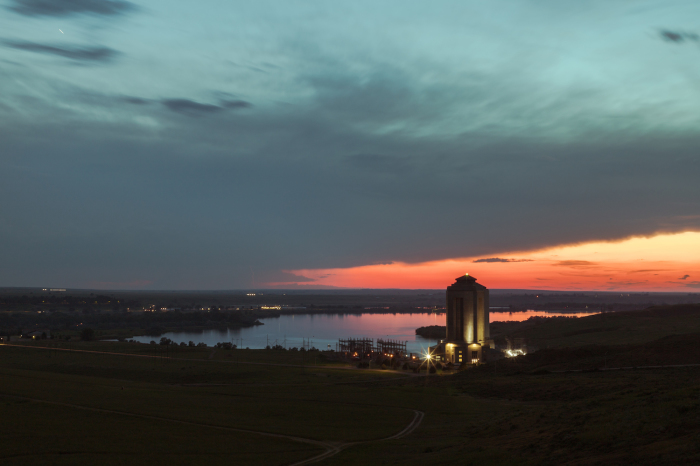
(558, 268)
(70, 7)
(77, 53)
(192, 108)
(678, 36)
(498, 259)
(227, 143)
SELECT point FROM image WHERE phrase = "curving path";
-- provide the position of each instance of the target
(331, 448)
(335, 449)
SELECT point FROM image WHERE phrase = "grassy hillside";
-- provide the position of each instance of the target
(614, 328)
(120, 404)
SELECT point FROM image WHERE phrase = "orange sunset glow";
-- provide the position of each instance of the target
(665, 262)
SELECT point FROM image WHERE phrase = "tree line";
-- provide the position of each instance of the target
(147, 320)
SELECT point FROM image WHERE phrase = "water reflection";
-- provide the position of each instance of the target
(524, 315)
(323, 330)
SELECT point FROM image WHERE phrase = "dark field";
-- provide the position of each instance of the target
(612, 328)
(122, 403)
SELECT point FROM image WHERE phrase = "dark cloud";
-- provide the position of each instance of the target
(378, 163)
(136, 100)
(235, 104)
(684, 277)
(283, 277)
(71, 7)
(285, 188)
(693, 285)
(84, 54)
(192, 108)
(574, 263)
(677, 37)
(498, 259)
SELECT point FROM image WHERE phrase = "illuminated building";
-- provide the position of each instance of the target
(467, 322)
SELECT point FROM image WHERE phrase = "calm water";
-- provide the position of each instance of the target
(321, 330)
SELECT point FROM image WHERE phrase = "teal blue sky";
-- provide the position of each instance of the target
(211, 145)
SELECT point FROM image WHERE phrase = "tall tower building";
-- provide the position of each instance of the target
(467, 326)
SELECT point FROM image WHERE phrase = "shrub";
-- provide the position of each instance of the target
(165, 341)
(405, 366)
(201, 345)
(191, 344)
(438, 365)
(432, 369)
(383, 367)
(182, 343)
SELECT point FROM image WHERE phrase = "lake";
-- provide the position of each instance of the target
(323, 330)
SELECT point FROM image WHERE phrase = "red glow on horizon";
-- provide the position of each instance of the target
(667, 262)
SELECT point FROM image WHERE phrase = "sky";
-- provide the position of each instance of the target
(230, 145)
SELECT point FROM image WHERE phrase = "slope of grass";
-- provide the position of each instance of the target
(175, 410)
(629, 327)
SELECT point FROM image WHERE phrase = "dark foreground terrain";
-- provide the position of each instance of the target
(124, 403)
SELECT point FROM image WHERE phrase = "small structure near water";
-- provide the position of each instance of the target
(366, 345)
(355, 345)
(364, 348)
